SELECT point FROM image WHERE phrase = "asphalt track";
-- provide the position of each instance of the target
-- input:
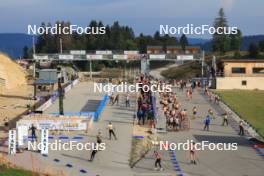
(245, 161)
(113, 161)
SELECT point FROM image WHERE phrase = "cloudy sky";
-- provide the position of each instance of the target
(143, 15)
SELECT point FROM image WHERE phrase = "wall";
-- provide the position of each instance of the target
(236, 83)
(247, 65)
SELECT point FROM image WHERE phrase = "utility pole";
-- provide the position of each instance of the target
(34, 70)
(33, 45)
(60, 45)
(60, 91)
(202, 68)
(34, 79)
(214, 66)
(91, 72)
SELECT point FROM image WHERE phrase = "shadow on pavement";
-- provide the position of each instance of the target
(223, 139)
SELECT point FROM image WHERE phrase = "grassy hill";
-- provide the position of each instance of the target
(185, 71)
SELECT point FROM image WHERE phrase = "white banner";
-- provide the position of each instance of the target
(185, 57)
(41, 57)
(78, 52)
(44, 141)
(157, 56)
(94, 56)
(12, 142)
(22, 132)
(66, 57)
(131, 52)
(119, 56)
(105, 52)
(66, 124)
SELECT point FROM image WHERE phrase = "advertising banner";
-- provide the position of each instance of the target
(157, 56)
(65, 57)
(44, 141)
(120, 56)
(134, 52)
(94, 56)
(40, 57)
(12, 142)
(66, 124)
(185, 57)
(22, 133)
(78, 52)
(104, 52)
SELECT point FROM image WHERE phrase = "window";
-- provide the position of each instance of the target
(240, 70)
(258, 70)
(244, 83)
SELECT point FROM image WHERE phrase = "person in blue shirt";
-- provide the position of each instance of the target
(207, 122)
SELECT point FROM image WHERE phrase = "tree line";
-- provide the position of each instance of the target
(122, 37)
(117, 37)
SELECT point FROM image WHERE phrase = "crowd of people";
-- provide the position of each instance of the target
(176, 115)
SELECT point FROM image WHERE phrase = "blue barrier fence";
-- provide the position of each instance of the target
(88, 114)
(94, 115)
(100, 108)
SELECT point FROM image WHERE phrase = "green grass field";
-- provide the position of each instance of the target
(13, 172)
(248, 104)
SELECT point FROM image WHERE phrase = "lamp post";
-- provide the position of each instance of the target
(60, 91)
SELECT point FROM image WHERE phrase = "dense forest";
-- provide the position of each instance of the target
(116, 37)
(120, 37)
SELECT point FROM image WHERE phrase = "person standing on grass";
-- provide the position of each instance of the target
(111, 131)
(158, 161)
(241, 128)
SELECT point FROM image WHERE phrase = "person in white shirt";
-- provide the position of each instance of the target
(111, 131)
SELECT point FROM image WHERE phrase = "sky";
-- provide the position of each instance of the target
(143, 15)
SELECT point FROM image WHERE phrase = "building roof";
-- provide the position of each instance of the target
(154, 46)
(179, 47)
(243, 60)
(173, 46)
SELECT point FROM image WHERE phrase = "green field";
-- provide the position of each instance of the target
(248, 104)
(4, 171)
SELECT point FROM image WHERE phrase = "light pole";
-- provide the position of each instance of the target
(90, 67)
(202, 68)
(60, 45)
(34, 69)
(60, 91)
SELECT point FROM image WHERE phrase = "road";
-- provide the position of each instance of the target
(114, 160)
